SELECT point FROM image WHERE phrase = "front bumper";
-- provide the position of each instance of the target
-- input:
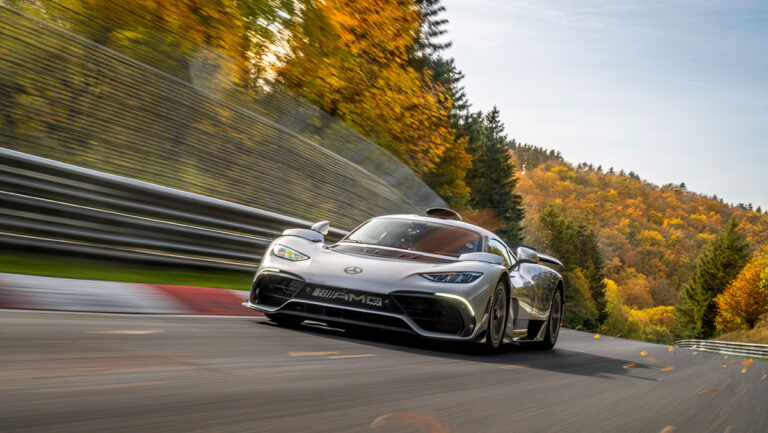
(425, 314)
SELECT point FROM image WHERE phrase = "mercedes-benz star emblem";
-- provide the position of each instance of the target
(353, 270)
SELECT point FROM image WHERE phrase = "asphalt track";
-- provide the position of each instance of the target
(86, 372)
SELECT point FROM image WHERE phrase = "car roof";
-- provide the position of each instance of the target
(448, 222)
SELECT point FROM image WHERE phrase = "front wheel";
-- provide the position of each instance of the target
(553, 323)
(497, 322)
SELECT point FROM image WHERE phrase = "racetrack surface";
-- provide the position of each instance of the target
(84, 372)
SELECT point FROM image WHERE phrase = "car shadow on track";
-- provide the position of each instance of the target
(510, 356)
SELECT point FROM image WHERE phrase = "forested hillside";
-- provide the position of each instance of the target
(649, 236)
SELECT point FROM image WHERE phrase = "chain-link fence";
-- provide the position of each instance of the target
(65, 97)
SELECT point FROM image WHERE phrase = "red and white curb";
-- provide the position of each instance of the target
(65, 294)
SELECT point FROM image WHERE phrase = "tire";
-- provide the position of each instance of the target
(497, 318)
(553, 322)
(284, 320)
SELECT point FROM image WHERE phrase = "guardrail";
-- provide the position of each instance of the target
(727, 347)
(50, 205)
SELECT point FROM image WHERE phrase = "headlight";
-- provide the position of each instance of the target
(288, 253)
(453, 277)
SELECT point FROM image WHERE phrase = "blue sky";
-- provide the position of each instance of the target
(676, 91)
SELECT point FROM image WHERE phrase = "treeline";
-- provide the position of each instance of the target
(530, 156)
(673, 260)
(379, 66)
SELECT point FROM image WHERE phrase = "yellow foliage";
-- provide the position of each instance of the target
(662, 315)
(744, 302)
(673, 222)
(351, 60)
(657, 232)
(650, 238)
(634, 288)
(612, 196)
(214, 33)
(563, 173)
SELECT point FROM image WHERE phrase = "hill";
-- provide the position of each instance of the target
(649, 235)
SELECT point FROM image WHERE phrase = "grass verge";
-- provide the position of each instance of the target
(87, 268)
(758, 335)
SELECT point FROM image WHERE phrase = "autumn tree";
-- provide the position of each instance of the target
(745, 301)
(650, 324)
(447, 179)
(427, 57)
(580, 310)
(634, 287)
(717, 266)
(183, 37)
(616, 320)
(351, 59)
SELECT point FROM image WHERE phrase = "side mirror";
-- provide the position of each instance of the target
(527, 255)
(322, 227)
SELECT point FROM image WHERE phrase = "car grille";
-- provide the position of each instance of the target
(349, 298)
(433, 314)
(274, 290)
(326, 313)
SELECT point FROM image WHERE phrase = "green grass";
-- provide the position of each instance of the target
(112, 270)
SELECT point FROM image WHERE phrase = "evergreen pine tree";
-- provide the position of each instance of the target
(492, 178)
(425, 56)
(443, 77)
(717, 265)
(592, 262)
(577, 249)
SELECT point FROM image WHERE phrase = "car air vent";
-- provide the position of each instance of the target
(275, 290)
(432, 314)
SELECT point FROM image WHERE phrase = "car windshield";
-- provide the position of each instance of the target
(422, 236)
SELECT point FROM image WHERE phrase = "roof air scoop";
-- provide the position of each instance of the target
(443, 213)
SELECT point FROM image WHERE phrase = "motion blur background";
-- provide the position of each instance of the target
(245, 118)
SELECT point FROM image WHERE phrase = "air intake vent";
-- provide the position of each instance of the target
(433, 314)
(275, 290)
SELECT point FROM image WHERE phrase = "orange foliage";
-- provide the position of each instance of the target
(657, 232)
(634, 288)
(351, 60)
(745, 300)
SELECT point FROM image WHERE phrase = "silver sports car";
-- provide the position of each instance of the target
(433, 275)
